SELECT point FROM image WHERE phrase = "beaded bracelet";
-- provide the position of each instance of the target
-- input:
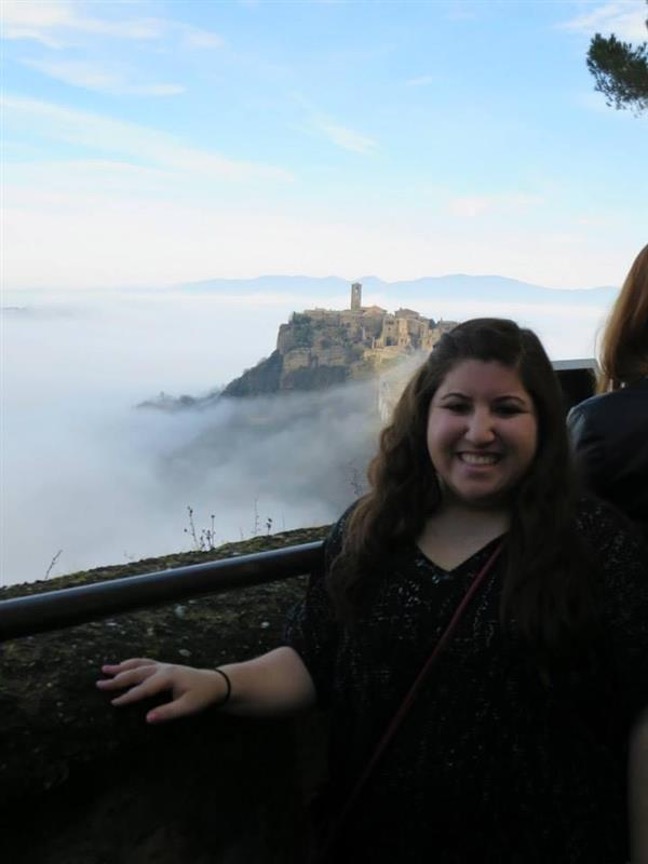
(228, 692)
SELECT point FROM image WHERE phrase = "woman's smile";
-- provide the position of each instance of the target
(479, 459)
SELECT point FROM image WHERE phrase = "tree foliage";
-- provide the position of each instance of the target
(620, 71)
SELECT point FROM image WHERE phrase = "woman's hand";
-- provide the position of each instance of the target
(273, 684)
(192, 690)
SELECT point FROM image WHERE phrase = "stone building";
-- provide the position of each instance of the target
(374, 327)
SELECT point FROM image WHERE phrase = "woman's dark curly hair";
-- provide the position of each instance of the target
(546, 590)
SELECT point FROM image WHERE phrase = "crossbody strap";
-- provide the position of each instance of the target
(411, 695)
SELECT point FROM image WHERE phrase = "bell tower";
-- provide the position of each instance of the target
(356, 297)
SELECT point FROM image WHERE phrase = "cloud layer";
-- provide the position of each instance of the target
(87, 473)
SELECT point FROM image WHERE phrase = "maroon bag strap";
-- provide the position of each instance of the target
(406, 704)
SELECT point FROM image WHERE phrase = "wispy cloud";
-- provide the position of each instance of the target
(472, 206)
(420, 81)
(91, 76)
(469, 206)
(53, 22)
(193, 37)
(320, 123)
(625, 18)
(344, 136)
(105, 135)
(460, 11)
(47, 21)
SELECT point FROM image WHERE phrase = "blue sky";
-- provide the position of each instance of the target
(150, 143)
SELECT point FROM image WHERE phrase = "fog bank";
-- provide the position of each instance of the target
(89, 480)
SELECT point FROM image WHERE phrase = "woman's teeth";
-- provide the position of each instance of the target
(479, 459)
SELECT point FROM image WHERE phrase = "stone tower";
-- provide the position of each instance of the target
(356, 297)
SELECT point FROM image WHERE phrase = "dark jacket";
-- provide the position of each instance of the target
(609, 435)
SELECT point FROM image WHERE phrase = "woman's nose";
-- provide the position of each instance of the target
(480, 428)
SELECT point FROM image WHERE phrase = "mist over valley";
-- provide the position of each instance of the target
(88, 479)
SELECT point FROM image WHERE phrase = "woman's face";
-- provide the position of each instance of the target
(482, 433)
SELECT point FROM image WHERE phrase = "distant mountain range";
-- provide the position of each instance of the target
(428, 289)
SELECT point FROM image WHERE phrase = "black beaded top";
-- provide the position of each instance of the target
(493, 763)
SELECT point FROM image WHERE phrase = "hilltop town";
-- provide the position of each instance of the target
(319, 348)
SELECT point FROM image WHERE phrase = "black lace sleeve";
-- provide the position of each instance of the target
(311, 629)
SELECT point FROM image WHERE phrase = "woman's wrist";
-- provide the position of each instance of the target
(228, 692)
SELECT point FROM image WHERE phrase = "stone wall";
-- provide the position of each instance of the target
(82, 782)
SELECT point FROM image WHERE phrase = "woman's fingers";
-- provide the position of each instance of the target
(125, 665)
(139, 687)
(132, 677)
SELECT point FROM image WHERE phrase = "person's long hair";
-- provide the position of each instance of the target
(623, 354)
(546, 591)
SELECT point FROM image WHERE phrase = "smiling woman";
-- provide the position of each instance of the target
(487, 388)
(477, 635)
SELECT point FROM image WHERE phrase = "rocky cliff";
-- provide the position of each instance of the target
(320, 348)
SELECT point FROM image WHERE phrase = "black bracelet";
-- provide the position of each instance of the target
(228, 693)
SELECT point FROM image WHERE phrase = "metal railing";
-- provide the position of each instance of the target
(26, 616)
(54, 610)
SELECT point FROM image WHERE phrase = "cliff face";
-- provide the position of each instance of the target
(320, 348)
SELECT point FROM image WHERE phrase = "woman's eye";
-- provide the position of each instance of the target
(507, 410)
(458, 407)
